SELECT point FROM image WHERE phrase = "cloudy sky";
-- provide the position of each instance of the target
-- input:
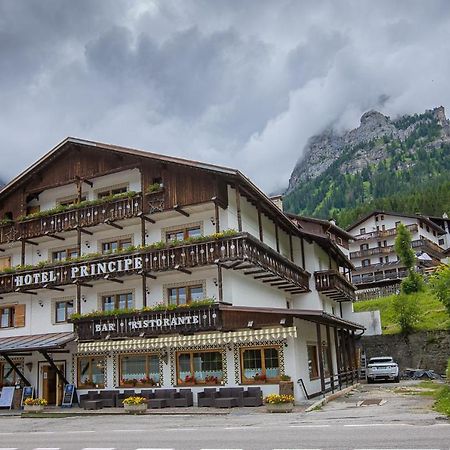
(242, 83)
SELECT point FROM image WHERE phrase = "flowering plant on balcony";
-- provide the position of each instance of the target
(189, 379)
(211, 379)
(35, 402)
(137, 400)
(276, 399)
(148, 380)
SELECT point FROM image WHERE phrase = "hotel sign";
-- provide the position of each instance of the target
(149, 323)
(72, 273)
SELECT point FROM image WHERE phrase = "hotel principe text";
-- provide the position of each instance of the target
(121, 268)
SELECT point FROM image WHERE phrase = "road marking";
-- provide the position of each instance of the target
(362, 425)
(8, 448)
(99, 448)
(80, 431)
(181, 429)
(309, 426)
(47, 448)
(154, 449)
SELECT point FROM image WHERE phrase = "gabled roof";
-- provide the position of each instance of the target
(392, 213)
(233, 175)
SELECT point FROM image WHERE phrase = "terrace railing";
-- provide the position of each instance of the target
(335, 285)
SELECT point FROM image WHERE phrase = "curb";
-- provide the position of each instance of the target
(329, 398)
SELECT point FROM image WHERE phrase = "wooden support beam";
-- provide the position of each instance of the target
(84, 180)
(244, 266)
(144, 217)
(216, 214)
(111, 223)
(52, 288)
(83, 230)
(330, 358)
(78, 300)
(22, 254)
(274, 278)
(238, 208)
(277, 238)
(182, 269)
(338, 356)
(147, 274)
(291, 247)
(180, 210)
(115, 280)
(267, 275)
(54, 366)
(80, 283)
(260, 227)
(25, 291)
(233, 265)
(144, 290)
(220, 282)
(319, 351)
(302, 243)
(252, 272)
(281, 283)
(2, 249)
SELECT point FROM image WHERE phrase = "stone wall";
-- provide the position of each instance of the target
(425, 350)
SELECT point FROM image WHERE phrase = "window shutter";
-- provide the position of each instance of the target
(19, 316)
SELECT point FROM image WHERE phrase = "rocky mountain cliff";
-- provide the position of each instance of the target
(383, 164)
(324, 149)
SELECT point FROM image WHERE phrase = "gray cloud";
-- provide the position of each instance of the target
(238, 83)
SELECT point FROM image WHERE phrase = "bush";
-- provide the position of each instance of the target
(412, 283)
(407, 312)
(440, 285)
(447, 373)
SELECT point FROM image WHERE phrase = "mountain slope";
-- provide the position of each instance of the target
(401, 165)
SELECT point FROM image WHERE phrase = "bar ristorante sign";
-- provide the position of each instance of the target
(150, 323)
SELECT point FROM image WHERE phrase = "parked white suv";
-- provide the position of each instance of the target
(382, 368)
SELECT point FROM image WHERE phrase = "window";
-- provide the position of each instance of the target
(434, 233)
(382, 217)
(141, 370)
(7, 317)
(421, 224)
(260, 364)
(365, 262)
(441, 241)
(108, 192)
(199, 367)
(376, 218)
(185, 294)
(363, 247)
(381, 260)
(385, 243)
(63, 310)
(379, 243)
(64, 254)
(339, 240)
(184, 233)
(428, 228)
(117, 301)
(313, 363)
(397, 223)
(91, 372)
(5, 263)
(118, 244)
(362, 231)
(386, 259)
(8, 376)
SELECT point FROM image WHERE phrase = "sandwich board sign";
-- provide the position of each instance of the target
(27, 392)
(6, 399)
(69, 390)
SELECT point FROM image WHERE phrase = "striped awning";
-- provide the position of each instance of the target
(35, 342)
(219, 338)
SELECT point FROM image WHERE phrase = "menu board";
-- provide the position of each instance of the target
(27, 392)
(6, 398)
(69, 390)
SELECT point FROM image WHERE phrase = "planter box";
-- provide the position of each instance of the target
(136, 409)
(33, 408)
(286, 388)
(279, 407)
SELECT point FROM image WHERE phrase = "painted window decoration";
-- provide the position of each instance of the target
(7, 317)
(108, 192)
(199, 367)
(183, 233)
(64, 254)
(260, 364)
(63, 310)
(91, 372)
(313, 363)
(139, 370)
(8, 376)
(184, 295)
(117, 301)
(116, 245)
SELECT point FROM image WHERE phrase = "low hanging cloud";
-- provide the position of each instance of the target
(243, 84)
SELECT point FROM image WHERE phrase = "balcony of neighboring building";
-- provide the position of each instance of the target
(413, 228)
(380, 250)
(334, 285)
(378, 274)
(230, 250)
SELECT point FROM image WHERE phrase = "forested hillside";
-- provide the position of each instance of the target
(407, 170)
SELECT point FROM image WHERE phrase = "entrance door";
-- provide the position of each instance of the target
(52, 384)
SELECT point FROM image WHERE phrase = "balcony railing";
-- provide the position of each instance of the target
(88, 216)
(372, 251)
(334, 285)
(230, 252)
(413, 228)
(149, 323)
(428, 246)
(391, 274)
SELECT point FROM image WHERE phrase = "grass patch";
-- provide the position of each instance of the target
(442, 397)
(433, 315)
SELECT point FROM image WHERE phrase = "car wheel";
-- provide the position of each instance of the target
(397, 379)
(369, 381)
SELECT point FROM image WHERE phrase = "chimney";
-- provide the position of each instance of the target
(278, 201)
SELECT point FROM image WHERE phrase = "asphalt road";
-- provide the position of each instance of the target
(396, 421)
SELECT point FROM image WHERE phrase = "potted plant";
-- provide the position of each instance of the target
(261, 378)
(189, 379)
(34, 404)
(135, 405)
(286, 386)
(279, 403)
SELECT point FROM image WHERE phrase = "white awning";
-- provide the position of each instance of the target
(219, 338)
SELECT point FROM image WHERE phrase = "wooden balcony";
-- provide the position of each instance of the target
(428, 247)
(380, 276)
(334, 285)
(85, 217)
(238, 252)
(413, 228)
(372, 251)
